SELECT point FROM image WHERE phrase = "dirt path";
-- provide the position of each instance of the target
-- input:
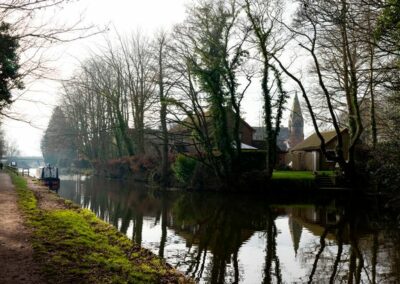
(16, 261)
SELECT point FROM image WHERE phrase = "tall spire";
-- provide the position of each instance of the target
(296, 124)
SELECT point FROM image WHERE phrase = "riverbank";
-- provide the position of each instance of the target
(72, 245)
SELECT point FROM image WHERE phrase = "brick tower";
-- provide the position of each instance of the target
(296, 124)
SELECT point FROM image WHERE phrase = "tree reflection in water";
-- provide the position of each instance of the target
(271, 255)
(347, 251)
(213, 227)
(208, 235)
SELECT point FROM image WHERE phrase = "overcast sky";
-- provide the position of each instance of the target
(124, 16)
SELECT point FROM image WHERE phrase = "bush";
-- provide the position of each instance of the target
(253, 160)
(126, 166)
(183, 168)
(142, 163)
(384, 166)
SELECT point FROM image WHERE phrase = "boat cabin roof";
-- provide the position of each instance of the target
(48, 172)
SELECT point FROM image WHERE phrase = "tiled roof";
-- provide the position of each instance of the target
(259, 135)
(314, 143)
(186, 123)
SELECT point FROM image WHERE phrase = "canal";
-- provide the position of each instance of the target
(228, 238)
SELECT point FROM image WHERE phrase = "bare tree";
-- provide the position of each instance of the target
(37, 27)
(140, 81)
(265, 20)
(164, 88)
(188, 105)
(91, 118)
(112, 91)
(12, 149)
(327, 31)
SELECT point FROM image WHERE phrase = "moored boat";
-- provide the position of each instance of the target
(48, 176)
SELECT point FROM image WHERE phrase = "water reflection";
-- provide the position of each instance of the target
(236, 239)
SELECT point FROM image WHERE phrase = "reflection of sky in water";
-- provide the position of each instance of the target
(252, 251)
(252, 257)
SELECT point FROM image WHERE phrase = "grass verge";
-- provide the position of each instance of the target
(74, 246)
(298, 175)
(293, 175)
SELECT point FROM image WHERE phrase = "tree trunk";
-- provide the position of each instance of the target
(163, 119)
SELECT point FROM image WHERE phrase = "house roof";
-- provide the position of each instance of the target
(184, 125)
(260, 133)
(247, 147)
(281, 141)
(314, 143)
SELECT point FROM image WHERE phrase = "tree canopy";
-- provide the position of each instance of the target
(58, 144)
(9, 65)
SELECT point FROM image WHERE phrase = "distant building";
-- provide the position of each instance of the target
(288, 136)
(307, 155)
(252, 138)
(182, 135)
(259, 138)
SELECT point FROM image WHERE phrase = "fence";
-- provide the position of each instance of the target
(23, 171)
(13, 169)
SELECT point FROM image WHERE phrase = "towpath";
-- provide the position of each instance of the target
(16, 255)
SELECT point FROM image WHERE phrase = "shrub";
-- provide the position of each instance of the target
(253, 160)
(126, 166)
(384, 166)
(183, 168)
(142, 163)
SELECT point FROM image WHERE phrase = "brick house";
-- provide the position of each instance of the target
(183, 140)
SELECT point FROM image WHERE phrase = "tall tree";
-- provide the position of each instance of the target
(188, 105)
(108, 81)
(111, 92)
(58, 142)
(265, 18)
(140, 80)
(90, 116)
(218, 54)
(163, 90)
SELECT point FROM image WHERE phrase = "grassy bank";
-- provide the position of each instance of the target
(297, 180)
(298, 175)
(74, 246)
(293, 175)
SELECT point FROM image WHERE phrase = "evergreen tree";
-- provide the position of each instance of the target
(58, 145)
(9, 76)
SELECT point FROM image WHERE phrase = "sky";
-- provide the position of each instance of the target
(35, 106)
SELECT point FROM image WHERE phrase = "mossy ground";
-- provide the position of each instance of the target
(74, 246)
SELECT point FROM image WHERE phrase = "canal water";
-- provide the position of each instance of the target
(228, 238)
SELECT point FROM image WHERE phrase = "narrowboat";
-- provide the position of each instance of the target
(48, 176)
